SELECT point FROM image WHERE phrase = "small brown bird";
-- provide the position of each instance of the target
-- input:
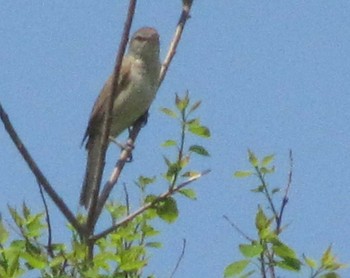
(138, 84)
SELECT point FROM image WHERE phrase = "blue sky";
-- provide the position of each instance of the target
(272, 76)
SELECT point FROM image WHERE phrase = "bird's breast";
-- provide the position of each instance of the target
(134, 100)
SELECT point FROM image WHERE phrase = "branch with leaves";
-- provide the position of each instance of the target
(268, 252)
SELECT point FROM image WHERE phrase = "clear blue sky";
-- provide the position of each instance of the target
(272, 75)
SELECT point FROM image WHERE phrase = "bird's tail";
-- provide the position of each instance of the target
(88, 188)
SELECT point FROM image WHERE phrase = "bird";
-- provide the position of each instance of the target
(137, 86)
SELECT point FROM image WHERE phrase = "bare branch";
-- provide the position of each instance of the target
(161, 197)
(106, 124)
(185, 14)
(41, 179)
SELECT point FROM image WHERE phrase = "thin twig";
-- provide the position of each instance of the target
(49, 230)
(107, 119)
(238, 229)
(180, 258)
(38, 173)
(161, 197)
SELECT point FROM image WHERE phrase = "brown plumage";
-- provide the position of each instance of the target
(138, 83)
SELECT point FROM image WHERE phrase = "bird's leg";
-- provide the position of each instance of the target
(123, 146)
(143, 119)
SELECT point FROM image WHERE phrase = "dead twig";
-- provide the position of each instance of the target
(238, 229)
(180, 258)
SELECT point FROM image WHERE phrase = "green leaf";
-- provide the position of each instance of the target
(261, 220)
(327, 258)
(282, 250)
(267, 160)
(248, 274)
(235, 268)
(265, 170)
(250, 250)
(25, 210)
(154, 244)
(150, 198)
(194, 122)
(173, 169)
(36, 261)
(290, 264)
(310, 262)
(189, 193)
(195, 106)
(34, 225)
(102, 259)
(169, 112)
(199, 150)
(169, 143)
(143, 181)
(184, 162)
(116, 210)
(167, 210)
(190, 174)
(330, 275)
(4, 234)
(131, 258)
(329, 262)
(243, 174)
(253, 159)
(57, 261)
(199, 130)
(258, 189)
(182, 104)
(16, 217)
(149, 231)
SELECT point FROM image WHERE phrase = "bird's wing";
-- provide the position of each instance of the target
(99, 108)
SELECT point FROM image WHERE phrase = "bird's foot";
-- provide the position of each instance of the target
(124, 146)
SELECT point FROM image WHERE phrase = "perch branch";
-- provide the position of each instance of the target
(106, 124)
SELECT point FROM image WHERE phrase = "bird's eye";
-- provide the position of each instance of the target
(140, 38)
